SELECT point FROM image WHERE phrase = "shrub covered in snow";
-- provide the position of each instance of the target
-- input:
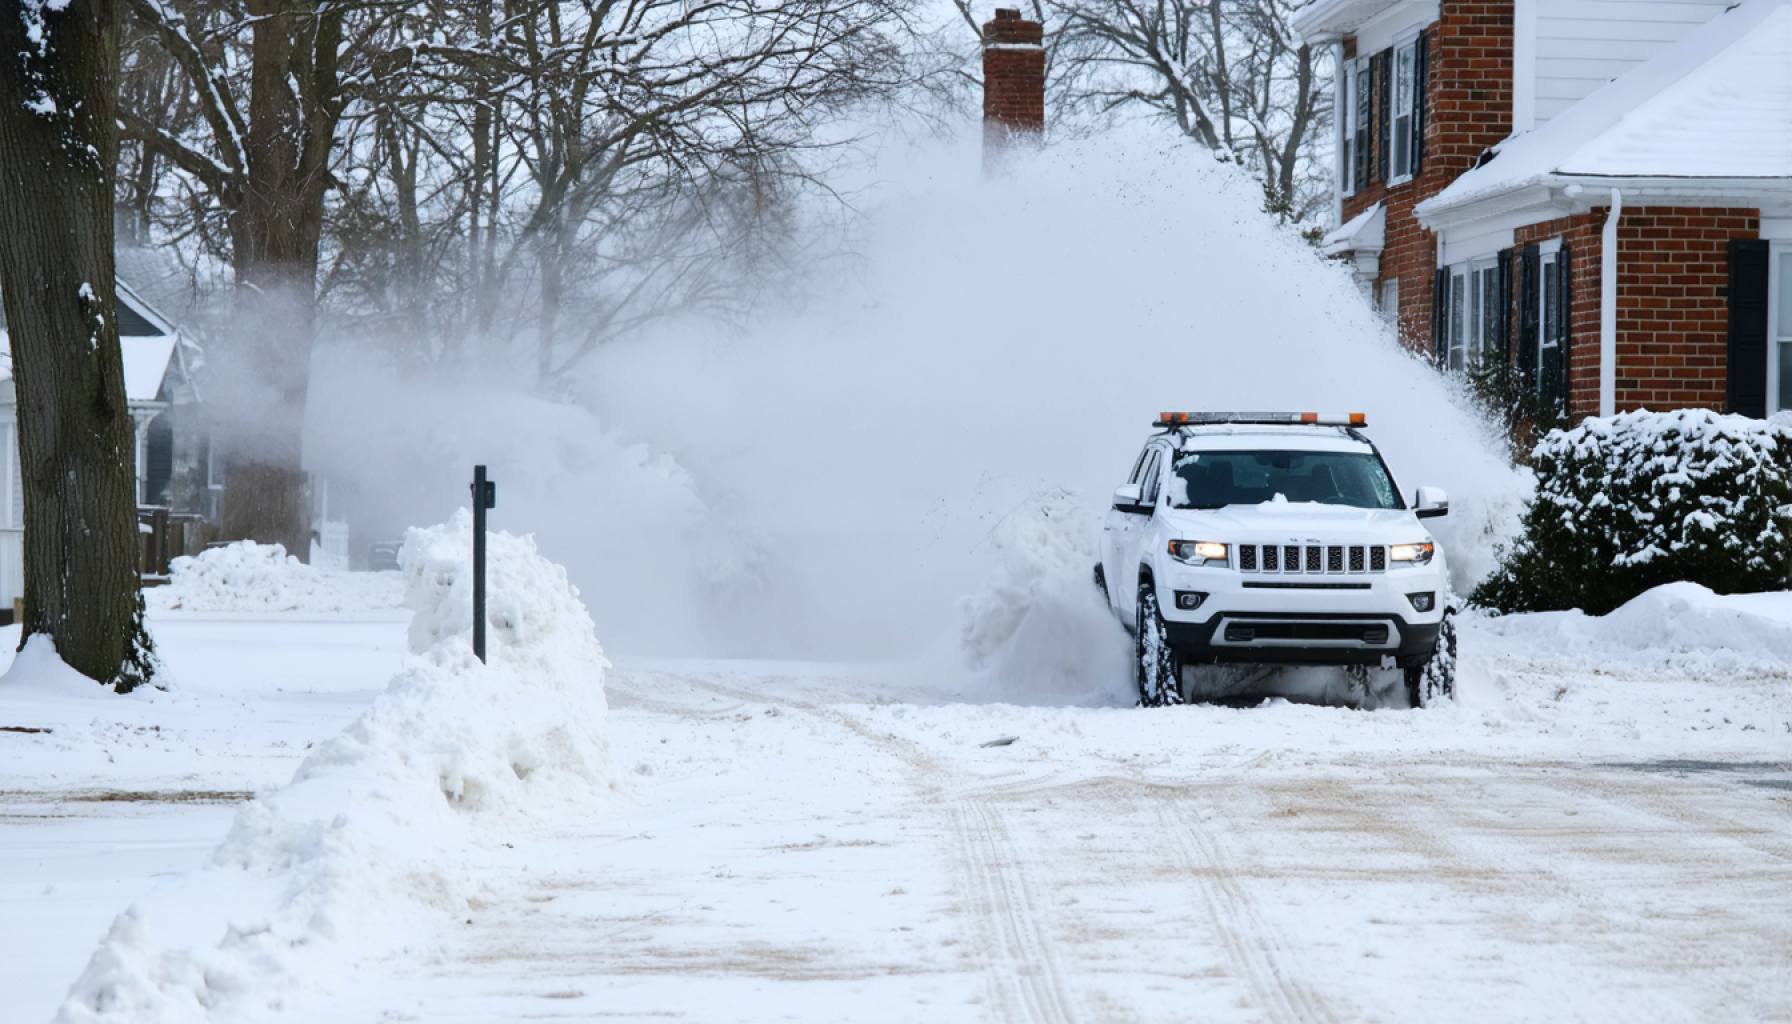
(379, 836)
(250, 577)
(1630, 502)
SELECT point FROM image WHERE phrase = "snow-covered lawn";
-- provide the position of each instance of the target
(1598, 831)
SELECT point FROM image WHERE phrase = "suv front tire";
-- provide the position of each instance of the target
(1159, 667)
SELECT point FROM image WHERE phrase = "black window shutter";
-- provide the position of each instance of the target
(1504, 317)
(1421, 76)
(1440, 316)
(1746, 392)
(1530, 264)
(1384, 105)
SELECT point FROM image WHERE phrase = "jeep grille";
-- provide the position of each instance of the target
(1312, 559)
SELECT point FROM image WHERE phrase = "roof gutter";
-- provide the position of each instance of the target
(1564, 189)
(1608, 308)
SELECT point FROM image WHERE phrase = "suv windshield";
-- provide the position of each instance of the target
(1218, 479)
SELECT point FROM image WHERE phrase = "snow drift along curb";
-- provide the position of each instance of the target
(1682, 627)
(374, 840)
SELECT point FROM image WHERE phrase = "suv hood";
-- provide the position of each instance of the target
(1282, 521)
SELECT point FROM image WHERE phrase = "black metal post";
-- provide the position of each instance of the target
(485, 495)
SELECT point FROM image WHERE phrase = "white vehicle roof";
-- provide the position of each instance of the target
(1233, 438)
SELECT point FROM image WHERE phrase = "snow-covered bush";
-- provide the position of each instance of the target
(250, 577)
(1630, 502)
(383, 831)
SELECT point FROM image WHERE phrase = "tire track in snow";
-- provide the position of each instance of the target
(1256, 947)
(1018, 956)
(1026, 970)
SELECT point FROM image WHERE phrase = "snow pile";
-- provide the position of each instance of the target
(248, 577)
(1640, 499)
(1040, 633)
(1677, 628)
(379, 836)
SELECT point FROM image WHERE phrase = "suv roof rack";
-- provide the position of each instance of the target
(1170, 420)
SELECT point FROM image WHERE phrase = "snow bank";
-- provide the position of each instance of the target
(38, 669)
(1679, 628)
(248, 577)
(378, 837)
(1040, 632)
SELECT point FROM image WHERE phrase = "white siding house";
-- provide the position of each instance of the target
(156, 357)
(1563, 50)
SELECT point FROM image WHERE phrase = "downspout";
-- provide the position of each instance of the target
(1608, 308)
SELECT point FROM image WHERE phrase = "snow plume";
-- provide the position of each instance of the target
(380, 835)
(1039, 631)
(624, 518)
(990, 340)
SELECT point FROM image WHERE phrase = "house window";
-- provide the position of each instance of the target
(1473, 322)
(1406, 102)
(1388, 299)
(1355, 149)
(14, 517)
(1549, 314)
(1779, 353)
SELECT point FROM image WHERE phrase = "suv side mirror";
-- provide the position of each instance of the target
(1130, 498)
(1430, 503)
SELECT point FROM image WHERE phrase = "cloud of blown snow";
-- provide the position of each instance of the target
(990, 346)
(860, 471)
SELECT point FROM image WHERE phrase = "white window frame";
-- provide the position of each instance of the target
(1349, 89)
(1483, 276)
(1779, 323)
(1548, 255)
(1467, 320)
(1403, 108)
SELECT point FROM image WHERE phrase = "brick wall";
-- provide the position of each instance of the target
(1013, 80)
(1673, 303)
(1468, 109)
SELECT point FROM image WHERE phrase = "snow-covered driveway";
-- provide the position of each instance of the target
(1568, 845)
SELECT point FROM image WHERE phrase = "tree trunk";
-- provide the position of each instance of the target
(58, 159)
(275, 231)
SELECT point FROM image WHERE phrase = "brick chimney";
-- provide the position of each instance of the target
(1013, 82)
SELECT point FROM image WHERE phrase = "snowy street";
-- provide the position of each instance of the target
(798, 854)
(825, 842)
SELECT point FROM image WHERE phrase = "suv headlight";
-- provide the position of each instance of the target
(1412, 554)
(1199, 552)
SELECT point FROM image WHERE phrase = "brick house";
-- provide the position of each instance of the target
(1598, 190)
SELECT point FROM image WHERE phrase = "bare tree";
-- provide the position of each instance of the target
(556, 173)
(1228, 73)
(269, 81)
(58, 148)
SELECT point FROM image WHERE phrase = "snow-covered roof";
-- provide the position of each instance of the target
(146, 339)
(1718, 106)
(1365, 232)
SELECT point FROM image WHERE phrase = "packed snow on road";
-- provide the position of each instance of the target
(802, 703)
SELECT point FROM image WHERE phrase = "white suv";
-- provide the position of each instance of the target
(1274, 538)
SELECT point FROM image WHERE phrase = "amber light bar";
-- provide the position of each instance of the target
(1317, 419)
